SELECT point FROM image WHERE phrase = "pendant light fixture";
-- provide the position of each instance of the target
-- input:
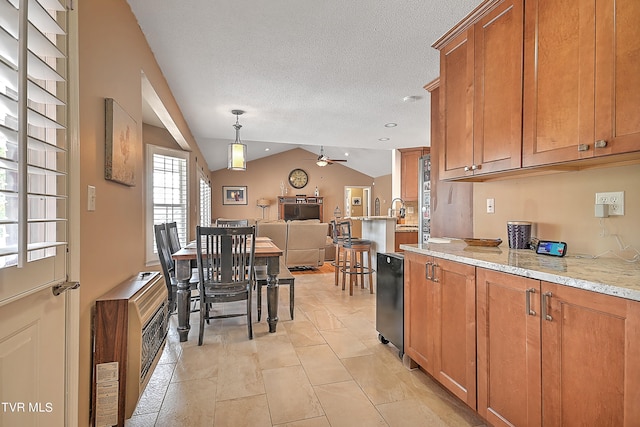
(237, 156)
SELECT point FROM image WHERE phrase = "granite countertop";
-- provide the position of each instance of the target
(404, 228)
(611, 276)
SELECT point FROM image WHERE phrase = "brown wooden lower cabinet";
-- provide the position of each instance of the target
(567, 358)
(508, 349)
(419, 310)
(405, 238)
(440, 322)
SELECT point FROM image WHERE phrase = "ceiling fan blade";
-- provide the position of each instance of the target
(335, 160)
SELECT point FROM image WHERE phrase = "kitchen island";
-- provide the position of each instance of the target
(380, 230)
(568, 329)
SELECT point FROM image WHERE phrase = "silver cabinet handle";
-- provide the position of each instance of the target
(583, 147)
(528, 293)
(467, 168)
(426, 267)
(601, 143)
(433, 272)
(546, 316)
(475, 167)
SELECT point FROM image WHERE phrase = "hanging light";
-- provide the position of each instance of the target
(237, 155)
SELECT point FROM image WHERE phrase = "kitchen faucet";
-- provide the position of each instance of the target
(402, 209)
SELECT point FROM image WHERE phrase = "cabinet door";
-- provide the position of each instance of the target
(418, 310)
(455, 328)
(617, 75)
(559, 52)
(456, 106)
(590, 364)
(508, 349)
(409, 175)
(497, 115)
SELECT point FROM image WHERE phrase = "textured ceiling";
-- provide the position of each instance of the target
(307, 72)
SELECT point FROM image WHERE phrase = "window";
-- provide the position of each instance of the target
(33, 138)
(205, 201)
(168, 193)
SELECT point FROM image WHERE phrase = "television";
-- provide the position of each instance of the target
(301, 211)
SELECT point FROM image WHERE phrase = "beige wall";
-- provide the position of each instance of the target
(561, 206)
(112, 55)
(263, 177)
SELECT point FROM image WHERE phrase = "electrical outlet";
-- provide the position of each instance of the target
(491, 206)
(614, 199)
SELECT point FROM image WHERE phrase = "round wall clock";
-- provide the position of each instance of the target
(298, 178)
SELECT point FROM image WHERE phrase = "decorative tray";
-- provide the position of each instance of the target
(483, 242)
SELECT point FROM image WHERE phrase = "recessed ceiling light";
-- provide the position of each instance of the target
(346, 154)
(390, 125)
(411, 98)
(383, 139)
(267, 149)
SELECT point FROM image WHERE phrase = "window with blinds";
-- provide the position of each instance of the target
(205, 202)
(169, 191)
(33, 135)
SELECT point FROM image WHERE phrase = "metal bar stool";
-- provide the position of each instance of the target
(353, 259)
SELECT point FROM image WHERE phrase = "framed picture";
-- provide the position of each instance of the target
(356, 201)
(120, 145)
(234, 195)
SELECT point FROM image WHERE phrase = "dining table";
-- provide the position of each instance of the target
(266, 253)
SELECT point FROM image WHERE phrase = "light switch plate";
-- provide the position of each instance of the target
(91, 198)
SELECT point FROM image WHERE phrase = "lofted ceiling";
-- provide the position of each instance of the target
(308, 73)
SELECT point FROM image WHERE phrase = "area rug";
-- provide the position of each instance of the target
(325, 268)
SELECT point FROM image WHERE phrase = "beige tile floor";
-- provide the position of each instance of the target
(325, 368)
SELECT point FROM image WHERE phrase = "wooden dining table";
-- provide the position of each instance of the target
(267, 253)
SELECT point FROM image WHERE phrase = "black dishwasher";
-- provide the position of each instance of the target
(390, 299)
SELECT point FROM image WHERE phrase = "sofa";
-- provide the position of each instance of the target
(303, 242)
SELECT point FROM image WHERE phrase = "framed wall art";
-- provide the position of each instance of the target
(356, 201)
(120, 147)
(234, 195)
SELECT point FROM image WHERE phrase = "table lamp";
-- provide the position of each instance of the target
(263, 203)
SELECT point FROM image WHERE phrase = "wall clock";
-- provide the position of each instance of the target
(298, 178)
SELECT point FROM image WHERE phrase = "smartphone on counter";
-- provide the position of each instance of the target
(546, 247)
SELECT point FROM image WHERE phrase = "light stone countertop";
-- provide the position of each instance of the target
(611, 276)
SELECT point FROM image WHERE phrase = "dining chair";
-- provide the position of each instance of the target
(172, 235)
(225, 257)
(168, 265)
(232, 223)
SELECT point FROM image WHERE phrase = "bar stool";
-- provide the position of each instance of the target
(354, 257)
(337, 241)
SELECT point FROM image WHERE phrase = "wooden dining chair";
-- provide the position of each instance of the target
(225, 257)
(168, 265)
(232, 223)
(173, 236)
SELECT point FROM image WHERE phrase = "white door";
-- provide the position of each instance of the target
(36, 130)
(32, 364)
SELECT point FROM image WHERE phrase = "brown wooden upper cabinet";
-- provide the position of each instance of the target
(481, 91)
(581, 80)
(539, 83)
(410, 158)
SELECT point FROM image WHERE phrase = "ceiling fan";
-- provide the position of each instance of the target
(324, 160)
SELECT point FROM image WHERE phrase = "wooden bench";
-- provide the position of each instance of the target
(284, 278)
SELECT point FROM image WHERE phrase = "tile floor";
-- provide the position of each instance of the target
(325, 368)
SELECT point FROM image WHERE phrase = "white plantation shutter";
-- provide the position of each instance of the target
(33, 137)
(169, 192)
(205, 201)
